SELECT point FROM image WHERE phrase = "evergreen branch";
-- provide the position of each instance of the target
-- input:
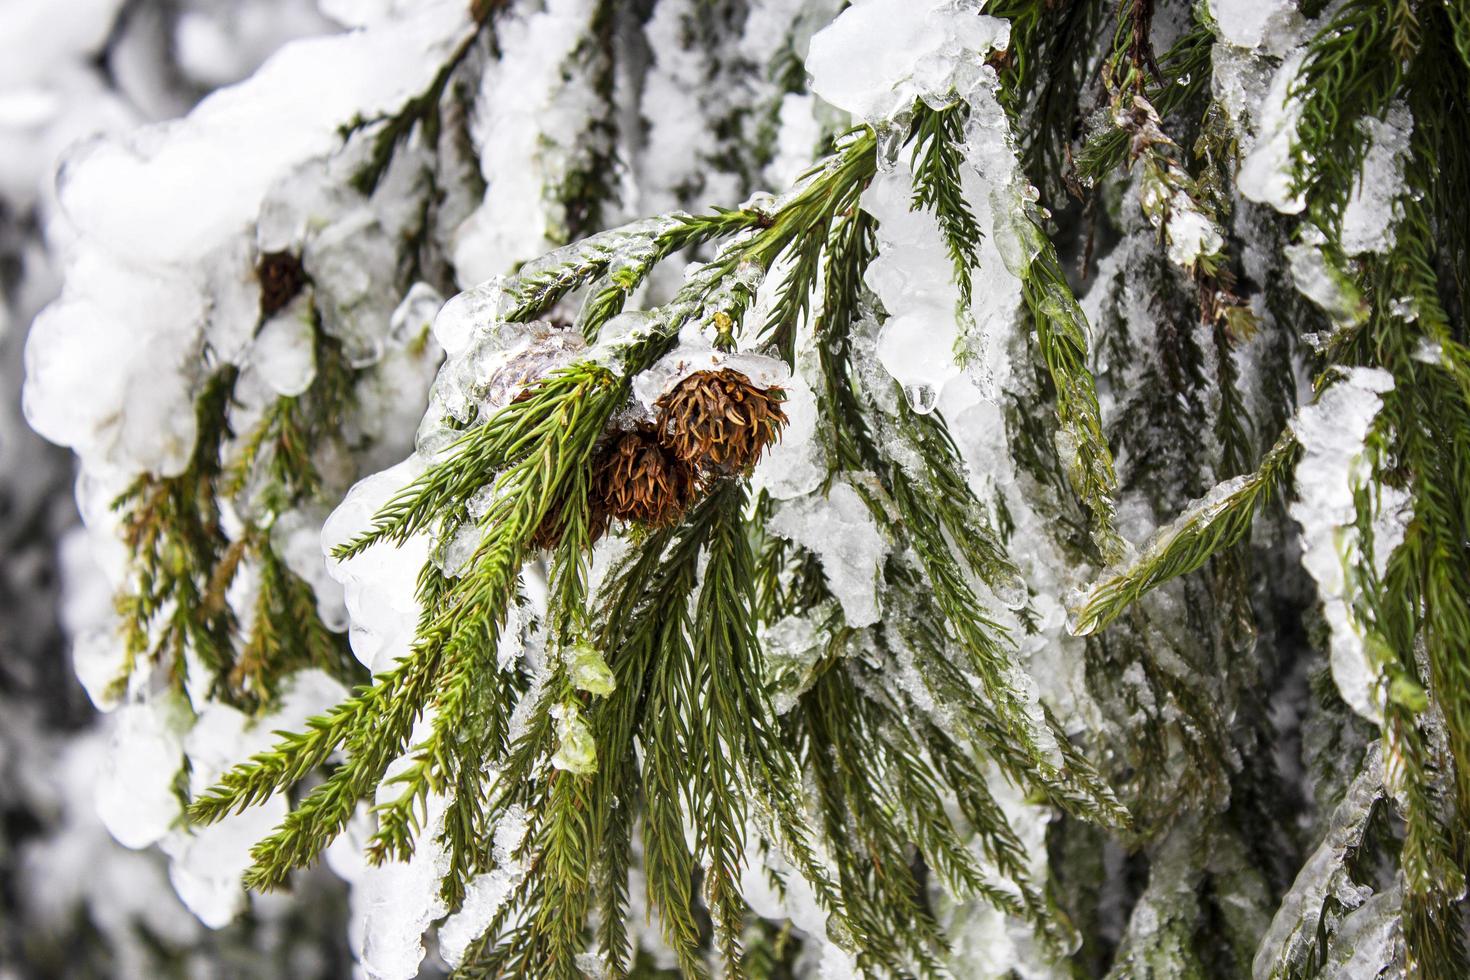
(1061, 334)
(938, 152)
(1205, 528)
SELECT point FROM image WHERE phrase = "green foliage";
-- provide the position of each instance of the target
(870, 773)
(1208, 528)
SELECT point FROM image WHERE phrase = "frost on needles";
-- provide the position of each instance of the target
(923, 570)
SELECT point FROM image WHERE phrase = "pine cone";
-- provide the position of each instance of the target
(548, 534)
(281, 278)
(719, 420)
(636, 479)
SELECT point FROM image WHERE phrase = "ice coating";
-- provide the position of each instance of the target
(1255, 23)
(1199, 513)
(913, 276)
(880, 55)
(497, 362)
(1372, 210)
(380, 583)
(840, 530)
(694, 355)
(1293, 930)
(1191, 233)
(1322, 281)
(361, 74)
(488, 892)
(284, 354)
(532, 123)
(208, 861)
(796, 463)
(1331, 432)
(1267, 174)
(135, 793)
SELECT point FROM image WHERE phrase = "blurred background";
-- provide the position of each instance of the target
(73, 902)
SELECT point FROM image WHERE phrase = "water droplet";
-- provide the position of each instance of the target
(922, 398)
(1184, 79)
(890, 143)
(1011, 591)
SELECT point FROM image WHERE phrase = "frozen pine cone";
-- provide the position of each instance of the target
(719, 420)
(281, 278)
(637, 479)
(549, 534)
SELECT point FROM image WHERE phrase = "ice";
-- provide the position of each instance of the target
(1372, 210)
(89, 613)
(791, 646)
(693, 356)
(498, 362)
(576, 750)
(401, 899)
(135, 790)
(1368, 939)
(415, 314)
(92, 357)
(914, 278)
(1192, 235)
(532, 125)
(797, 463)
(284, 352)
(589, 670)
(219, 44)
(1294, 929)
(797, 135)
(841, 531)
(488, 892)
(1196, 514)
(1322, 282)
(1256, 23)
(452, 556)
(207, 861)
(72, 868)
(1267, 174)
(380, 584)
(245, 136)
(296, 538)
(28, 50)
(1331, 432)
(879, 56)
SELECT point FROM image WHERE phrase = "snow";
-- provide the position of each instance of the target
(875, 59)
(1333, 465)
(1372, 210)
(284, 352)
(841, 531)
(1267, 174)
(1255, 23)
(532, 124)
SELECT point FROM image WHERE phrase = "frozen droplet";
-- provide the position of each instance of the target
(590, 672)
(921, 397)
(1011, 591)
(890, 144)
(576, 751)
